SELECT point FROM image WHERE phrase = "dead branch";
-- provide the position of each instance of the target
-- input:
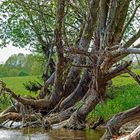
(17, 117)
(78, 51)
(132, 39)
(117, 121)
(133, 75)
(135, 135)
(125, 51)
(83, 66)
(117, 71)
(41, 103)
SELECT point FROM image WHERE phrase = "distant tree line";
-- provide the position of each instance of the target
(21, 65)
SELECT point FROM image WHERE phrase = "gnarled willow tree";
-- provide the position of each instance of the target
(91, 40)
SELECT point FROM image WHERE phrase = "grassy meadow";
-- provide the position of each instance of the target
(125, 92)
(16, 85)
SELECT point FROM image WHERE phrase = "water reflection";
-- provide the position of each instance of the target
(55, 134)
(65, 134)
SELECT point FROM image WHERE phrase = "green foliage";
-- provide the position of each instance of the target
(134, 24)
(36, 68)
(23, 73)
(33, 23)
(23, 24)
(13, 26)
(4, 102)
(20, 65)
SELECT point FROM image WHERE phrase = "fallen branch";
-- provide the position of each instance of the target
(41, 103)
(117, 121)
(17, 117)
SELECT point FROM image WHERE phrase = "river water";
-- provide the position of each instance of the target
(55, 134)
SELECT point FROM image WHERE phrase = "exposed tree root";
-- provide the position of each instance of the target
(41, 103)
(114, 125)
(58, 117)
(77, 119)
(75, 122)
(78, 93)
(17, 117)
(14, 109)
(99, 44)
(135, 135)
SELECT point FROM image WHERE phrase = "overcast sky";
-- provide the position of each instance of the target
(10, 50)
(6, 52)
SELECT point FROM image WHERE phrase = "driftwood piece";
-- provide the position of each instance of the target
(117, 121)
(97, 123)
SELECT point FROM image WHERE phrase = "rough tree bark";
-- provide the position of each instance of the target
(59, 73)
(83, 44)
(78, 93)
(102, 31)
(114, 124)
(77, 119)
(135, 135)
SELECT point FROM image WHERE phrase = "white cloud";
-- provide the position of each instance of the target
(6, 52)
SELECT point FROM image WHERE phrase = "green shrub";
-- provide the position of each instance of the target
(23, 73)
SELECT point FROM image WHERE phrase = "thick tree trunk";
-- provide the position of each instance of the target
(78, 93)
(114, 125)
(74, 74)
(58, 117)
(77, 120)
(84, 43)
(108, 17)
(59, 73)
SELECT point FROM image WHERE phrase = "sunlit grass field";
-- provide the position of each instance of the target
(16, 85)
(125, 92)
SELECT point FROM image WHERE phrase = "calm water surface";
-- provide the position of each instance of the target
(55, 134)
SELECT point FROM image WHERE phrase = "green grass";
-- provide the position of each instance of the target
(16, 85)
(125, 90)
(126, 93)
